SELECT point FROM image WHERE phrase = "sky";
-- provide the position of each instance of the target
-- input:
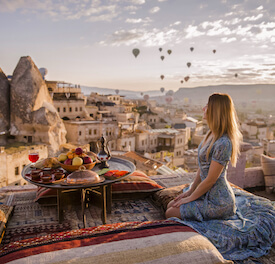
(90, 42)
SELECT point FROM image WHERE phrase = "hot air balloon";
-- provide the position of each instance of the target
(181, 81)
(162, 77)
(236, 75)
(162, 57)
(188, 64)
(169, 99)
(146, 97)
(170, 93)
(214, 51)
(135, 52)
(162, 89)
(117, 91)
(160, 49)
(191, 48)
(186, 78)
(169, 51)
(43, 72)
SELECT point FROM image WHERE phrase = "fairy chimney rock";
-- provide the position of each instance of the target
(33, 116)
(5, 108)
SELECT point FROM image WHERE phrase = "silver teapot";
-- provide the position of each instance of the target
(104, 153)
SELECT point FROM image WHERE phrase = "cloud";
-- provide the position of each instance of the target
(149, 38)
(138, 20)
(137, 2)
(154, 10)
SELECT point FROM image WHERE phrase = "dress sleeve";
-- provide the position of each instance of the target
(222, 151)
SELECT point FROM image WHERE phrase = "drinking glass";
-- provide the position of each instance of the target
(33, 156)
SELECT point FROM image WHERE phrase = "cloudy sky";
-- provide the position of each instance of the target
(90, 42)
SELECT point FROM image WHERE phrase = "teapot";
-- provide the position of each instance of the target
(103, 154)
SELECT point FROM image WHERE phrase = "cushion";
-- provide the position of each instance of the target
(268, 166)
(163, 197)
(136, 183)
(5, 213)
(163, 241)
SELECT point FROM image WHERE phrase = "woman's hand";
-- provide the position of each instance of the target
(182, 195)
(180, 201)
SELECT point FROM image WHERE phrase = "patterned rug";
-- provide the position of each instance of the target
(31, 219)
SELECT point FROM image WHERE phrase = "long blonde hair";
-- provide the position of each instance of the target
(222, 119)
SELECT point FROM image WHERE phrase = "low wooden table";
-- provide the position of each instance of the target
(103, 189)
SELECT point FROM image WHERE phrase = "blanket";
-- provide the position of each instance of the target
(161, 242)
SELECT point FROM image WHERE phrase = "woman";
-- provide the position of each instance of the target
(210, 195)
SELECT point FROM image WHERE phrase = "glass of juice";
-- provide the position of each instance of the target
(33, 156)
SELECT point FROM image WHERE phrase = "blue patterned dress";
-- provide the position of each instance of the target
(219, 201)
(238, 223)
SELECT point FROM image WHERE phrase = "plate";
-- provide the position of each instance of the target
(64, 182)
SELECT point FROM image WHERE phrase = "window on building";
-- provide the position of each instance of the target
(80, 109)
(76, 109)
(58, 109)
(95, 132)
(90, 131)
(16, 170)
(130, 143)
(151, 142)
(64, 109)
(155, 141)
(142, 142)
(70, 109)
(79, 133)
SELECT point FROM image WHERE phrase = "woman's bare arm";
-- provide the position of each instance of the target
(214, 173)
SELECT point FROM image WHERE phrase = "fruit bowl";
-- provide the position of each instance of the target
(71, 168)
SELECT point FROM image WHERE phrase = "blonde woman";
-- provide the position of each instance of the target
(210, 195)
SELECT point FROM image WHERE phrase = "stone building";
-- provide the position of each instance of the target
(68, 100)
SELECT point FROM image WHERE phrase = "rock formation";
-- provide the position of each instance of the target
(4, 107)
(33, 116)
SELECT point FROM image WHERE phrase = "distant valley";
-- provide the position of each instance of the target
(260, 96)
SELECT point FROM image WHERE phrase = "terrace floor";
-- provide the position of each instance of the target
(31, 219)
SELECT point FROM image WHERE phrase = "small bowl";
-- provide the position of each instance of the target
(72, 168)
(58, 175)
(35, 176)
(46, 178)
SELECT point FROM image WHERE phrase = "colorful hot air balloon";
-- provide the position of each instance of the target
(169, 99)
(162, 89)
(162, 77)
(160, 49)
(117, 91)
(191, 48)
(214, 51)
(162, 57)
(188, 64)
(169, 51)
(186, 78)
(146, 97)
(135, 52)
